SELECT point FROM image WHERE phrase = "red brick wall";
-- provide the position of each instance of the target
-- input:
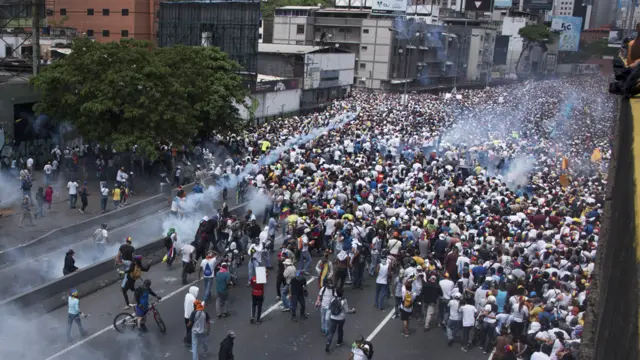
(138, 23)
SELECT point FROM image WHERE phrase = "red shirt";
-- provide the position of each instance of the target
(258, 289)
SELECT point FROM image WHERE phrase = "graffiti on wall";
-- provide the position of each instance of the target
(37, 149)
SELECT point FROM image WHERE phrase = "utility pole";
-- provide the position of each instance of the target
(36, 36)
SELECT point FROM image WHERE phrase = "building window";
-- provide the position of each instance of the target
(90, 33)
(89, 12)
(105, 33)
(260, 24)
(63, 12)
(363, 48)
(124, 33)
(125, 12)
(341, 30)
(259, 36)
(300, 29)
(365, 31)
(349, 30)
(363, 66)
(105, 12)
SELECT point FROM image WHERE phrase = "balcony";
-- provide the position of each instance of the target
(337, 22)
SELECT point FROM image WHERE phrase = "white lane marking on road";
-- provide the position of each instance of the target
(277, 305)
(110, 327)
(380, 326)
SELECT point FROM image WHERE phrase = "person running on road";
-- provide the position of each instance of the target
(207, 267)
(200, 323)
(142, 303)
(226, 347)
(297, 294)
(101, 238)
(188, 251)
(257, 299)
(189, 299)
(326, 294)
(170, 242)
(289, 273)
(133, 273)
(338, 309)
(223, 281)
(74, 314)
(125, 255)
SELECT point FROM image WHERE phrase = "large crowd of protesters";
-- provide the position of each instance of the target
(475, 211)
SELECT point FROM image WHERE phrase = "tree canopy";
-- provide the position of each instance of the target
(129, 93)
(535, 33)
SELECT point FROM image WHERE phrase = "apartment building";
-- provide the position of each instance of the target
(105, 21)
(392, 51)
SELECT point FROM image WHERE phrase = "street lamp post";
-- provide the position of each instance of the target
(406, 60)
(459, 42)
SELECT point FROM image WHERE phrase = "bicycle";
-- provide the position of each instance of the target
(124, 322)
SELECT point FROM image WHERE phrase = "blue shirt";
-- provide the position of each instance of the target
(197, 189)
(222, 279)
(501, 300)
(74, 306)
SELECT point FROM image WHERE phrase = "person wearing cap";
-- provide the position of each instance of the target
(288, 273)
(200, 324)
(447, 286)
(455, 318)
(226, 347)
(223, 281)
(74, 314)
(488, 331)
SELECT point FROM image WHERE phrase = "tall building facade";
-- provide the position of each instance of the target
(103, 20)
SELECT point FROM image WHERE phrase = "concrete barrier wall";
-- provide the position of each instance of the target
(612, 317)
(53, 295)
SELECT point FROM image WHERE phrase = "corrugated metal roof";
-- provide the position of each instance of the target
(286, 49)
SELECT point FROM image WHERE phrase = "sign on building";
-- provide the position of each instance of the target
(569, 28)
(502, 4)
(398, 7)
(537, 4)
(478, 5)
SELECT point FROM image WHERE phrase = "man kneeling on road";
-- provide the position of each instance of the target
(142, 300)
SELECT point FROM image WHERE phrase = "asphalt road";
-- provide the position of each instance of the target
(46, 262)
(276, 338)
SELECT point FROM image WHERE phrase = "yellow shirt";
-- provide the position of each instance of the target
(116, 194)
(419, 260)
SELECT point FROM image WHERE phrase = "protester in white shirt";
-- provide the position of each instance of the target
(455, 318)
(73, 193)
(468, 312)
(187, 261)
(189, 298)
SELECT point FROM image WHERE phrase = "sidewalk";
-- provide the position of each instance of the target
(60, 214)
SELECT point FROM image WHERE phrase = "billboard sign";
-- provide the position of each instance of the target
(275, 85)
(501, 50)
(502, 4)
(398, 7)
(569, 28)
(478, 5)
(537, 4)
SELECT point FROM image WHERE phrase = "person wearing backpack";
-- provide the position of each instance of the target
(133, 273)
(207, 267)
(406, 307)
(338, 308)
(327, 293)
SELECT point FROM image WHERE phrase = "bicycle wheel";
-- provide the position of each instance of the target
(124, 322)
(161, 325)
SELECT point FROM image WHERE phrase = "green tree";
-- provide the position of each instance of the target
(130, 93)
(532, 35)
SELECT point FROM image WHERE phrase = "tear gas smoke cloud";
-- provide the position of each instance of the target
(519, 169)
(196, 206)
